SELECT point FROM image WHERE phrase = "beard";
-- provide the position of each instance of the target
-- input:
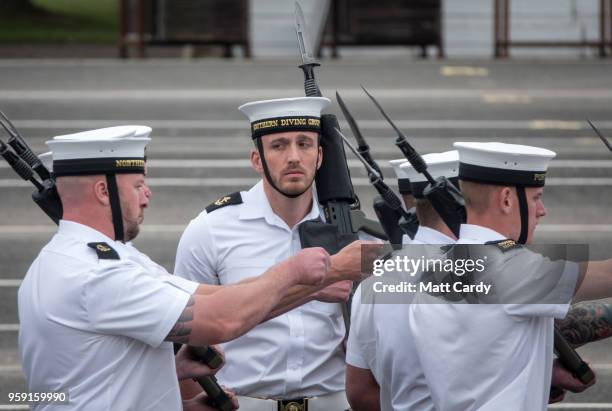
(293, 185)
(131, 226)
(131, 230)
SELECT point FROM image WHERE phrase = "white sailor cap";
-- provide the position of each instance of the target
(285, 114)
(403, 182)
(119, 149)
(47, 160)
(444, 164)
(503, 164)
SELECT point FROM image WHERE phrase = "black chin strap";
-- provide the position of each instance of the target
(524, 211)
(113, 196)
(260, 149)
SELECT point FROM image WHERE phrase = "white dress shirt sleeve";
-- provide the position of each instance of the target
(357, 345)
(121, 298)
(547, 286)
(196, 254)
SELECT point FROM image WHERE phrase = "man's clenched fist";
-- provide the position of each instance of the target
(310, 266)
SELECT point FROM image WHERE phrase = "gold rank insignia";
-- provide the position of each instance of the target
(222, 201)
(230, 199)
(103, 248)
(104, 251)
(505, 245)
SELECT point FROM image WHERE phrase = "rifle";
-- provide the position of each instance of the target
(28, 166)
(334, 187)
(571, 361)
(335, 190)
(445, 198)
(388, 208)
(215, 393)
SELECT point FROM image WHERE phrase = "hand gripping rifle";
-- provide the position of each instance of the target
(216, 395)
(29, 167)
(388, 208)
(444, 197)
(568, 357)
(571, 361)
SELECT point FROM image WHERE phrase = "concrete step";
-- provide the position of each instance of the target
(19, 250)
(575, 203)
(8, 339)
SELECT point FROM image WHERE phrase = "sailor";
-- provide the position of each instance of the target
(383, 370)
(98, 317)
(403, 181)
(432, 229)
(294, 361)
(500, 356)
(405, 190)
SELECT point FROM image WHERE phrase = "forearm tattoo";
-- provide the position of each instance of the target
(182, 329)
(586, 322)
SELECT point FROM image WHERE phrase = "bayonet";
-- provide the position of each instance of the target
(601, 136)
(382, 111)
(306, 52)
(303, 40)
(383, 189)
(402, 143)
(363, 147)
(445, 198)
(371, 170)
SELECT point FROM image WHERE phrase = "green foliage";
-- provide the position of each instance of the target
(62, 21)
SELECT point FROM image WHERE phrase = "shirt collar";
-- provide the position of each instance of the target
(478, 233)
(82, 232)
(428, 235)
(256, 205)
(86, 234)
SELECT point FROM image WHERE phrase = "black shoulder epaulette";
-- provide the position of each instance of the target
(505, 245)
(230, 199)
(104, 251)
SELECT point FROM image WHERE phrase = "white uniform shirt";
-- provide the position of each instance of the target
(380, 340)
(488, 357)
(426, 235)
(95, 328)
(297, 354)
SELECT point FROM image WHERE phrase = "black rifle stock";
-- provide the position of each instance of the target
(571, 361)
(215, 393)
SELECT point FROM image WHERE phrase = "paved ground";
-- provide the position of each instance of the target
(200, 142)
